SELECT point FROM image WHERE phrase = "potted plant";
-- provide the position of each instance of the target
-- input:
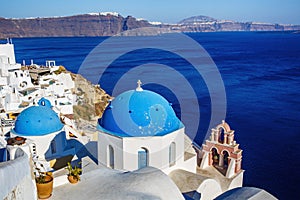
(44, 182)
(74, 173)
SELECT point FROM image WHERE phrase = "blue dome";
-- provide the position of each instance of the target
(44, 102)
(37, 121)
(139, 113)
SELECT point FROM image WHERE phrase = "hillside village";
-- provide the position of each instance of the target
(21, 86)
(132, 146)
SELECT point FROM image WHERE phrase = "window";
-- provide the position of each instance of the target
(143, 158)
(110, 156)
(172, 154)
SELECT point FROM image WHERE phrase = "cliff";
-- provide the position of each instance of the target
(208, 24)
(78, 25)
(91, 99)
(108, 24)
(91, 103)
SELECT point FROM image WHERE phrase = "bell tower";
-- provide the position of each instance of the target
(221, 151)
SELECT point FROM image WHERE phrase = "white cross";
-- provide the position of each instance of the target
(139, 88)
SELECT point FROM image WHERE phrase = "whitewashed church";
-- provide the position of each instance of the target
(140, 128)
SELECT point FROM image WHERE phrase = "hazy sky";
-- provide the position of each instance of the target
(276, 11)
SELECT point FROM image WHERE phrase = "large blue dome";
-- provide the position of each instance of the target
(37, 121)
(139, 113)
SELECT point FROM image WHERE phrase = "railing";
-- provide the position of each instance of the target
(7, 122)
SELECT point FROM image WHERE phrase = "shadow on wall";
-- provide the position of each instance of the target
(62, 151)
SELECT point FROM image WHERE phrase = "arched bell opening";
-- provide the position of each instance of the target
(215, 156)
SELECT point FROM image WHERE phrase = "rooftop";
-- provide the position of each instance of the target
(37, 120)
(103, 183)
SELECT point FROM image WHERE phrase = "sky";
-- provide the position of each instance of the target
(168, 11)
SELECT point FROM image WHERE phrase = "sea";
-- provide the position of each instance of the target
(260, 73)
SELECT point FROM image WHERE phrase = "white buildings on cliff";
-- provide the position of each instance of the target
(18, 91)
(142, 151)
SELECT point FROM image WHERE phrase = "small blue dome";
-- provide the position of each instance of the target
(139, 113)
(44, 102)
(37, 121)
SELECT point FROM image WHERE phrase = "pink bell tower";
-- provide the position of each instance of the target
(221, 151)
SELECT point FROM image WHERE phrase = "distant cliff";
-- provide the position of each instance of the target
(107, 24)
(78, 25)
(208, 24)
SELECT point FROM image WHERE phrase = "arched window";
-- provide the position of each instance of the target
(221, 135)
(110, 157)
(226, 161)
(143, 158)
(172, 154)
(215, 156)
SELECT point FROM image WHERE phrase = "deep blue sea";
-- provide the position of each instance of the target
(261, 74)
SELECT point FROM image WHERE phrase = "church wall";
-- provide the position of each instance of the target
(104, 140)
(158, 148)
(154, 145)
(188, 165)
(178, 138)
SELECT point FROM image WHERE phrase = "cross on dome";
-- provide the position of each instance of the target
(139, 88)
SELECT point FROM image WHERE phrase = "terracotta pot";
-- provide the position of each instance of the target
(72, 179)
(45, 189)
